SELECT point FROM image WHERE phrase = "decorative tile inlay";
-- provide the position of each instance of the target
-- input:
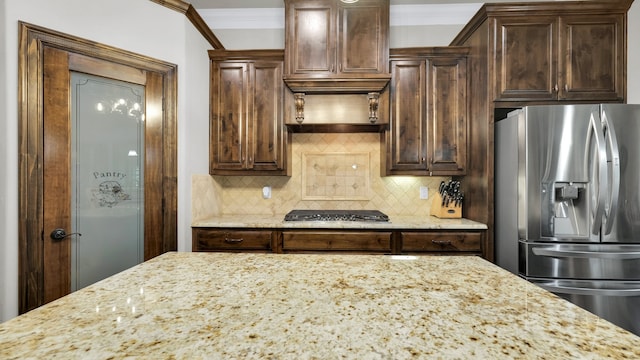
(335, 176)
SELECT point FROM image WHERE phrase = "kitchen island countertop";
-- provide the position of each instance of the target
(304, 306)
(396, 222)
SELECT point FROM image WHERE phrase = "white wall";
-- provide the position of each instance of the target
(139, 26)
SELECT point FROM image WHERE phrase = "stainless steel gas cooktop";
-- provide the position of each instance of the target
(335, 215)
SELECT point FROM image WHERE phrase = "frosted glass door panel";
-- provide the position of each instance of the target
(107, 139)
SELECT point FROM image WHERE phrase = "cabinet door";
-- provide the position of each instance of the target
(310, 37)
(593, 58)
(526, 58)
(229, 82)
(406, 138)
(266, 150)
(362, 32)
(447, 117)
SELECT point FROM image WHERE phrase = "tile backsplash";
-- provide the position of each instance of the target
(320, 162)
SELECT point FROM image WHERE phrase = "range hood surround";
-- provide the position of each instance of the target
(338, 112)
(314, 85)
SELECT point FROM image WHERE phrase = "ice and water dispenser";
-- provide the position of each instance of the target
(565, 210)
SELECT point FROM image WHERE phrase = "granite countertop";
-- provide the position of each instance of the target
(395, 222)
(304, 306)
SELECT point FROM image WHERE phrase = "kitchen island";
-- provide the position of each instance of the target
(313, 306)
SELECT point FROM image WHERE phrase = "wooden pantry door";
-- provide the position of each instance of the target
(48, 163)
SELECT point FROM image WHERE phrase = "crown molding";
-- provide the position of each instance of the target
(177, 5)
(192, 14)
(399, 15)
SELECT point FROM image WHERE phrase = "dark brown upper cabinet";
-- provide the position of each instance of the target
(331, 46)
(543, 56)
(248, 136)
(428, 124)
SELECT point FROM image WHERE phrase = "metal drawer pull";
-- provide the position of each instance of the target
(588, 291)
(233, 241)
(441, 242)
(586, 254)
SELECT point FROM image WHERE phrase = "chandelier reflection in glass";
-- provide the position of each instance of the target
(122, 106)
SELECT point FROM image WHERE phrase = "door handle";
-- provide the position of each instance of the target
(59, 234)
(610, 135)
(615, 255)
(595, 131)
(588, 291)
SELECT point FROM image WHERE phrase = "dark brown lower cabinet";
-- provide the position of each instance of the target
(240, 240)
(353, 241)
(441, 242)
(416, 242)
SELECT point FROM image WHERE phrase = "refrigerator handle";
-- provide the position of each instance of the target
(601, 152)
(611, 137)
(588, 291)
(614, 255)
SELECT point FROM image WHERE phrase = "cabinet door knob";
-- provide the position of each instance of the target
(555, 88)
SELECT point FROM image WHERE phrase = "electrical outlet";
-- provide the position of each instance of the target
(424, 192)
(266, 192)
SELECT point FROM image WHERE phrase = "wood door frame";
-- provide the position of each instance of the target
(33, 39)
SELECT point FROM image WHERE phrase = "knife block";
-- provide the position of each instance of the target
(444, 212)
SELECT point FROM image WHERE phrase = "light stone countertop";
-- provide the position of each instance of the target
(395, 222)
(313, 306)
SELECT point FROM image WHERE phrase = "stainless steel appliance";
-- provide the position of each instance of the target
(336, 215)
(567, 204)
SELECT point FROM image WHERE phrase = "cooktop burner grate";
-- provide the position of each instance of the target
(335, 215)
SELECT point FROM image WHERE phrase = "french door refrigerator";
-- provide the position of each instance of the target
(567, 204)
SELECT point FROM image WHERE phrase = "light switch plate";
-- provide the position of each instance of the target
(424, 192)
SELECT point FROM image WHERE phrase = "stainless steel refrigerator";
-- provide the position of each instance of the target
(567, 204)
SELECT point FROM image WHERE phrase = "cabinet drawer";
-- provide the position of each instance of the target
(223, 239)
(440, 241)
(336, 241)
